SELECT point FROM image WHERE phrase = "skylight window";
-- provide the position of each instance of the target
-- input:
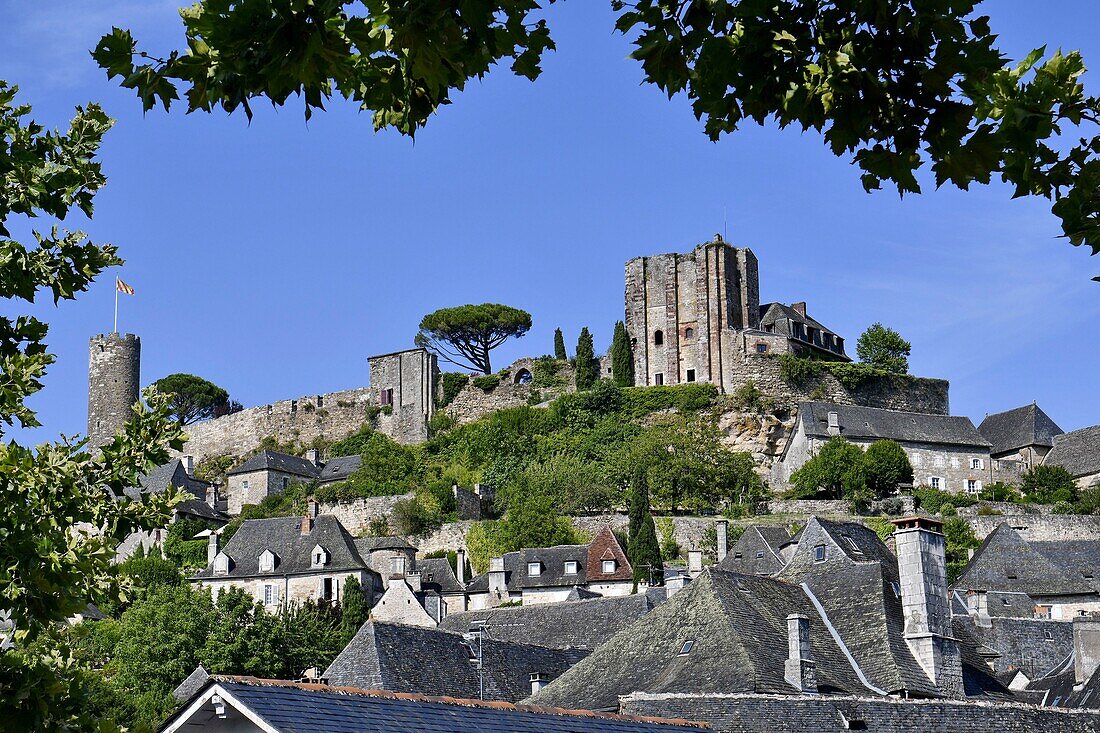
(759, 554)
(819, 553)
(686, 648)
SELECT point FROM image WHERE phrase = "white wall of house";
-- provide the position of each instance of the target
(296, 588)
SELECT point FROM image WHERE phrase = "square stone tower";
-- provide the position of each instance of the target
(678, 307)
(404, 384)
(114, 374)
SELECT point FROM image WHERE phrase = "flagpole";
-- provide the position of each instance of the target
(116, 308)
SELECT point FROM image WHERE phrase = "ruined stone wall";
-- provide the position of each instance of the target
(330, 416)
(473, 403)
(409, 380)
(357, 514)
(114, 366)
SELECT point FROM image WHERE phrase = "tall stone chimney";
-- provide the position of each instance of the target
(695, 562)
(313, 456)
(460, 567)
(799, 308)
(311, 507)
(497, 585)
(721, 528)
(800, 669)
(114, 384)
(213, 547)
(212, 496)
(922, 569)
(1086, 647)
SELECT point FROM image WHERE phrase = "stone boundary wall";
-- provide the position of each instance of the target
(751, 713)
(330, 416)
(1007, 509)
(1040, 527)
(356, 515)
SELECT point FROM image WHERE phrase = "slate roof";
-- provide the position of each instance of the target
(756, 551)
(291, 707)
(436, 574)
(194, 682)
(568, 625)
(589, 559)
(779, 317)
(738, 629)
(283, 536)
(270, 460)
(174, 474)
(339, 468)
(1019, 428)
(388, 542)
(400, 658)
(872, 423)
(1005, 561)
(1077, 452)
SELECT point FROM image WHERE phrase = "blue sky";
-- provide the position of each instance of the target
(273, 258)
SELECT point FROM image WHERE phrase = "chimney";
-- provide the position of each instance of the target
(311, 507)
(674, 584)
(212, 496)
(800, 669)
(922, 569)
(695, 562)
(834, 423)
(188, 465)
(213, 547)
(311, 516)
(313, 456)
(477, 489)
(799, 308)
(496, 577)
(539, 680)
(1086, 647)
(977, 604)
(460, 567)
(722, 529)
(413, 579)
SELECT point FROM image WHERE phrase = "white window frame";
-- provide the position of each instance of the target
(977, 488)
(608, 564)
(534, 569)
(270, 595)
(319, 557)
(935, 482)
(267, 561)
(221, 564)
(821, 553)
(571, 567)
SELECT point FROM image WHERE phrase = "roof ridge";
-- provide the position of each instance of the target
(463, 702)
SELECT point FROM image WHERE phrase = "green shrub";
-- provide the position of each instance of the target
(886, 467)
(440, 422)
(933, 501)
(452, 383)
(988, 511)
(641, 401)
(670, 548)
(1049, 485)
(798, 370)
(487, 382)
(748, 398)
(999, 491)
(546, 373)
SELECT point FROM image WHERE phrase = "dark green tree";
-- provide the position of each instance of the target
(638, 501)
(897, 85)
(885, 467)
(354, 609)
(645, 553)
(836, 472)
(586, 367)
(622, 357)
(465, 335)
(958, 539)
(192, 398)
(52, 566)
(884, 348)
(559, 345)
(1049, 485)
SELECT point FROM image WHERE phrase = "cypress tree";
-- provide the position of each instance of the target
(622, 357)
(559, 345)
(638, 503)
(354, 610)
(586, 367)
(645, 553)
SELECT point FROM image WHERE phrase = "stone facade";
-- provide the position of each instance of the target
(255, 486)
(519, 385)
(357, 514)
(114, 384)
(679, 307)
(1042, 528)
(280, 590)
(405, 383)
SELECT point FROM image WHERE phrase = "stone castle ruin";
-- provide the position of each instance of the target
(692, 317)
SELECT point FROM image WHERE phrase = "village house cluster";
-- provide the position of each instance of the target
(833, 627)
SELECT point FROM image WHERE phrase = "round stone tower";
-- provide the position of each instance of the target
(114, 366)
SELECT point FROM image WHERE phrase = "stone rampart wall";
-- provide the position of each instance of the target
(473, 403)
(330, 416)
(356, 515)
(1043, 528)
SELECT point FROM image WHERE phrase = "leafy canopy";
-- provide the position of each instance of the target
(897, 85)
(884, 348)
(65, 510)
(465, 335)
(192, 398)
(1049, 485)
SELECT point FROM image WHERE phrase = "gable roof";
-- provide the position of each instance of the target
(872, 423)
(1005, 561)
(174, 474)
(339, 468)
(756, 551)
(603, 547)
(436, 574)
(283, 536)
(403, 658)
(269, 460)
(1077, 452)
(581, 624)
(1019, 428)
(738, 629)
(290, 707)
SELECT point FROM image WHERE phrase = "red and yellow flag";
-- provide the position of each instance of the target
(123, 287)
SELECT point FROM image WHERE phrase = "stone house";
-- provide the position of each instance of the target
(946, 452)
(270, 472)
(1012, 576)
(289, 560)
(1019, 439)
(417, 591)
(550, 574)
(1079, 453)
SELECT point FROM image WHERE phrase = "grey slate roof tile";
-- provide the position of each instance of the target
(1006, 562)
(1018, 428)
(174, 474)
(269, 460)
(339, 468)
(1077, 452)
(872, 423)
(436, 574)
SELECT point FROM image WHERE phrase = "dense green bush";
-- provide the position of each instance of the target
(886, 467)
(452, 382)
(487, 382)
(388, 469)
(936, 501)
(1049, 485)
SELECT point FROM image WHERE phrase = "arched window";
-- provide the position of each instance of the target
(523, 376)
(689, 333)
(658, 338)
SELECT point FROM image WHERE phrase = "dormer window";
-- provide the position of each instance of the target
(534, 569)
(267, 561)
(221, 564)
(609, 566)
(819, 553)
(571, 567)
(319, 557)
